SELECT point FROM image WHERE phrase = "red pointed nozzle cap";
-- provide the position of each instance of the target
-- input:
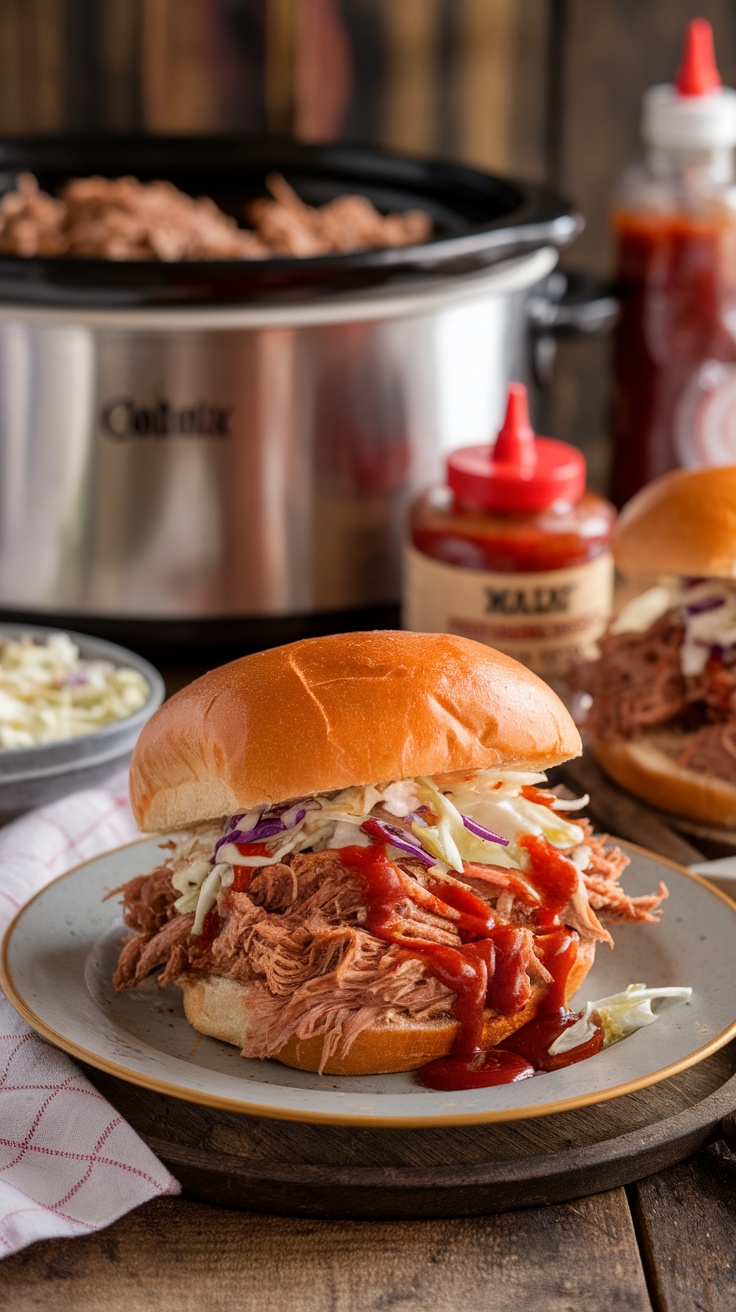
(515, 443)
(520, 472)
(698, 72)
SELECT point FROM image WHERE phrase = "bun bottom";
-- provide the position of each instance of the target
(644, 767)
(218, 1007)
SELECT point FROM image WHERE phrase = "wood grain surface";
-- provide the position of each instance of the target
(188, 1257)
(686, 1224)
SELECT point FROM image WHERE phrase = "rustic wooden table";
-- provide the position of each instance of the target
(665, 1244)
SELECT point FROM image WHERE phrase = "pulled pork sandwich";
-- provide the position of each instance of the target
(663, 715)
(362, 873)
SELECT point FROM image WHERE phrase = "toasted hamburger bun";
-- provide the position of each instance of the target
(683, 523)
(219, 1007)
(643, 766)
(327, 713)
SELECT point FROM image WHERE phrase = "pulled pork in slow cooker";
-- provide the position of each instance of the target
(124, 219)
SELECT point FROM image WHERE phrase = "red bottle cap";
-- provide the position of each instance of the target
(698, 72)
(521, 472)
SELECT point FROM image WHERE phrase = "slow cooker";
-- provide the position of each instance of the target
(222, 453)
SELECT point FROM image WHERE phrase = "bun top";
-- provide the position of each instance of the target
(326, 713)
(683, 523)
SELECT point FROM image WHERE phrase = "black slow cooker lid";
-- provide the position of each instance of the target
(479, 219)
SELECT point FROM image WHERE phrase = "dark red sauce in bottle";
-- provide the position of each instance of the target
(676, 285)
(517, 507)
(459, 533)
(513, 523)
(674, 227)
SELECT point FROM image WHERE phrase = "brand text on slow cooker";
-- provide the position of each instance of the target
(123, 417)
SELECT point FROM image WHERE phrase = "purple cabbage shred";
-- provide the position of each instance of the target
(396, 839)
(277, 820)
(481, 832)
(707, 603)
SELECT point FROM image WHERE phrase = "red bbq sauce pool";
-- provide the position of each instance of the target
(484, 1071)
(533, 1041)
(486, 970)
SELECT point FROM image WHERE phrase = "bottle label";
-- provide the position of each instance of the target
(545, 620)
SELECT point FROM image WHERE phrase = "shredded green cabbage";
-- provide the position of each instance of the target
(618, 1015)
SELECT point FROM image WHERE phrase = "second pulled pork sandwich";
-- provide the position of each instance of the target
(663, 715)
(363, 874)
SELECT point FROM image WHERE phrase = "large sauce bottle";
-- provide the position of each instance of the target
(675, 232)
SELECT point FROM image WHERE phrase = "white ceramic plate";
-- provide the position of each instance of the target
(59, 955)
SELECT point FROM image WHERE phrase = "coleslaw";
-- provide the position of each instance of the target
(706, 609)
(48, 692)
(618, 1015)
(438, 821)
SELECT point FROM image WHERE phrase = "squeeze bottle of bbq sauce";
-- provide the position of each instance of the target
(674, 225)
(513, 551)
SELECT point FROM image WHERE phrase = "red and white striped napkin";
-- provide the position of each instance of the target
(68, 1163)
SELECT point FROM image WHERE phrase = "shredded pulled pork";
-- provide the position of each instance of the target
(601, 879)
(167, 948)
(159, 934)
(289, 227)
(124, 219)
(148, 901)
(361, 982)
(637, 682)
(297, 936)
(120, 219)
(637, 685)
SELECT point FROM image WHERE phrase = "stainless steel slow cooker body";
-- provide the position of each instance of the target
(179, 445)
(240, 462)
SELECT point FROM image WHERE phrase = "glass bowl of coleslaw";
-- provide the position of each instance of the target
(71, 708)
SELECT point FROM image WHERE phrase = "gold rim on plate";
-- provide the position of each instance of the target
(334, 1118)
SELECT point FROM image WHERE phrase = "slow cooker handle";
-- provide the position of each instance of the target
(571, 304)
(568, 304)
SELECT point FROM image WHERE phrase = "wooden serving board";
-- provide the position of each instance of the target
(338, 1171)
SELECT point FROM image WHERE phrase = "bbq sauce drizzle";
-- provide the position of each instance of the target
(487, 970)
